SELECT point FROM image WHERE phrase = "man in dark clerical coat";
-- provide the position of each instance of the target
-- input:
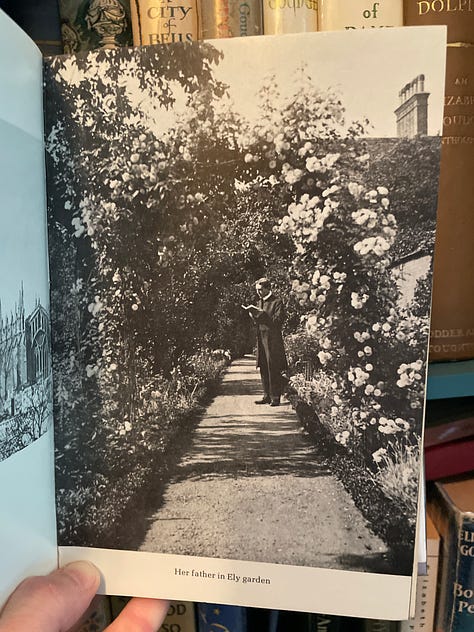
(268, 317)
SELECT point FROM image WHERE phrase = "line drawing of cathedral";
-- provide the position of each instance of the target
(25, 358)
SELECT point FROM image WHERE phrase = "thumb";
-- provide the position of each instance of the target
(52, 603)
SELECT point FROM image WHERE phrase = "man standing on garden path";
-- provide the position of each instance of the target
(271, 359)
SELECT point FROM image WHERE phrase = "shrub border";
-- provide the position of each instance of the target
(385, 518)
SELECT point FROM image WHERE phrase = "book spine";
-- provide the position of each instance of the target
(337, 15)
(449, 459)
(181, 617)
(455, 597)
(452, 317)
(87, 26)
(458, 15)
(223, 18)
(213, 616)
(289, 16)
(173, 21)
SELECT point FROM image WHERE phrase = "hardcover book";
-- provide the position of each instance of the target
(223, 18)
(173, 21)
(289, 17)
(452, 325)
(452, 320)
(339, 14)
(182, 183)
(456, 14)
(449, 437)
(451, 508)
(92, 24)
(215, 616)
(181, 615)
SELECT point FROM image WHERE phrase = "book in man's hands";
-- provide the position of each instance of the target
(177, 176)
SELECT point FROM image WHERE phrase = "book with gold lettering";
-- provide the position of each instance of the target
(452, 318)
(225, 18)
(165, 23)
(451, 507)
(183, 182)
(340, 14)
(289, 16)
(458, 15)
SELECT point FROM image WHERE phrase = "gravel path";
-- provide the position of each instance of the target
(253, 487)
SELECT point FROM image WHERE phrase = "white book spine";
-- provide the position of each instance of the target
(289, 16)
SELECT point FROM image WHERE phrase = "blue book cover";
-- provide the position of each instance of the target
(214, 617)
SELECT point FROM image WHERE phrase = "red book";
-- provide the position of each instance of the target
(449, 459)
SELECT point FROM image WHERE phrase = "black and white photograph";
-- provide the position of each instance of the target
(241, 236)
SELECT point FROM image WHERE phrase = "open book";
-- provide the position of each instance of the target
(177, 176)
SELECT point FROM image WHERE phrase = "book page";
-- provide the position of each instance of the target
(205, 454)
(27, 527)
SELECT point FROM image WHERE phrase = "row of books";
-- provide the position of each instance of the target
(445, 594)
(95, 24)
(186, 616)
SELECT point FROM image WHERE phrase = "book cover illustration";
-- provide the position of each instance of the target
(92, 24)
(215, 616)
(185, 184)
(27, 527)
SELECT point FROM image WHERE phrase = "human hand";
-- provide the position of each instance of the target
(55, 602)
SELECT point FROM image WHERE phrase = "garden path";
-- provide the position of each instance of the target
(253, 487)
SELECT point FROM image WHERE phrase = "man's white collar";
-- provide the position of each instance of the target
(265, 298)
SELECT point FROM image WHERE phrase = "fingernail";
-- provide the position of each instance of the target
(85, 573)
